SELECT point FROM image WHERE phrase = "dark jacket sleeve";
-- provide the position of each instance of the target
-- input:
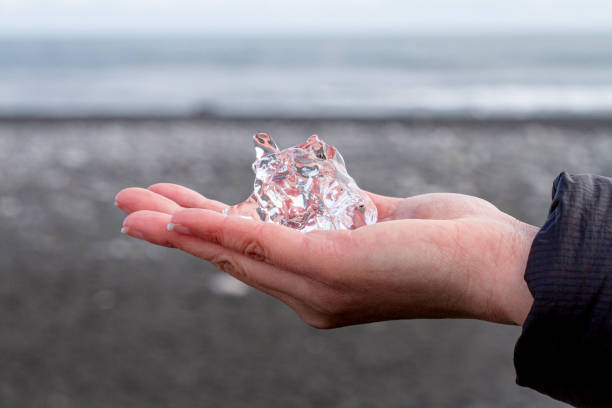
(565, 349)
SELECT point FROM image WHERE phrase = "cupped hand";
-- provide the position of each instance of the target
(429, 256)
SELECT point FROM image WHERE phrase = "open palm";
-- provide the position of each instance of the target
(429, 256)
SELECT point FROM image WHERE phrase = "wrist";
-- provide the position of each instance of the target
(520, 298)
(497, 290)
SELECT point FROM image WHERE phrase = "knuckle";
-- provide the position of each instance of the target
(254, 251)
(227, 265)
(214, 237)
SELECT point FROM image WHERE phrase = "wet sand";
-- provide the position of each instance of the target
(89, 317)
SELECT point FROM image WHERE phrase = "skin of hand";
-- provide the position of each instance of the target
(429, 256)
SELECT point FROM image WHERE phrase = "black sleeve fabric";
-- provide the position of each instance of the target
(565, 349)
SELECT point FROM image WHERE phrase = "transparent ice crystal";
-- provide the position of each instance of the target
(305, 187)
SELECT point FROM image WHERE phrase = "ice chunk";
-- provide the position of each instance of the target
(305, 187)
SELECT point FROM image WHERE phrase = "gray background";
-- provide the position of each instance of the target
(89, 317)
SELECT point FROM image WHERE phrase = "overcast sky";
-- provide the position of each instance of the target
(313, 16)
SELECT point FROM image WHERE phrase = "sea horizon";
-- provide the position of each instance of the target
(495, 75)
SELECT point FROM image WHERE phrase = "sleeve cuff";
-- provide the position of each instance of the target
(566, 343)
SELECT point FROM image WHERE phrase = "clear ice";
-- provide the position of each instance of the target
(305, 187)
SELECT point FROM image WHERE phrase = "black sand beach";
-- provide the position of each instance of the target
(91, 318)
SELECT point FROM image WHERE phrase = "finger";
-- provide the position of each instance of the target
(135, 199)
(152, 226)
(186, 197)
(443, 206)
(290, 289)
(386, 206)
(284, 286)
(149, 226)
(310, 254)
(295, 291)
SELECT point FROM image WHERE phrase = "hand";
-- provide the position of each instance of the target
(429, 256)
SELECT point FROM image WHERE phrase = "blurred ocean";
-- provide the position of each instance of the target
(478, 76)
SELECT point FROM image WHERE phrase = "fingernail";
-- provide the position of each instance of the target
(118, 206)
(181, 229)
(131, 233)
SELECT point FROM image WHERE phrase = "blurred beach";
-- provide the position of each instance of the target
(89, 317)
